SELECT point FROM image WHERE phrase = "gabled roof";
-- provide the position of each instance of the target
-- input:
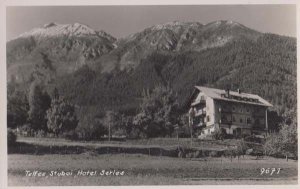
(247, 98)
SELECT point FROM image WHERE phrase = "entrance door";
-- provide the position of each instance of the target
(234, 132)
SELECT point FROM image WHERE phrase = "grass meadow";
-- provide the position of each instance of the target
(147, 170)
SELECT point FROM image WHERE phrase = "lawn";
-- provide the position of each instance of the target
(147, 170)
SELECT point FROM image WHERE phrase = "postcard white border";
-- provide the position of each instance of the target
(5, 3)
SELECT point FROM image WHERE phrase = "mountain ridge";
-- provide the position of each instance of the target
(181, 55)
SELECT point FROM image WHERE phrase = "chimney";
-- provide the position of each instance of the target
(239, 91)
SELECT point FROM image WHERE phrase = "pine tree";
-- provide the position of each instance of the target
(39, 102)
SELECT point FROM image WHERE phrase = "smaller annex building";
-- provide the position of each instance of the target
(233, 112)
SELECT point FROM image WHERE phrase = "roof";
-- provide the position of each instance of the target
(218, 94)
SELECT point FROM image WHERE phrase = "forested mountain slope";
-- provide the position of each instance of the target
(98, 73)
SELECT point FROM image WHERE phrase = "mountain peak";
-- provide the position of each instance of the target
(174, 25)
(224, 23)
(51, 24)
(53, 29)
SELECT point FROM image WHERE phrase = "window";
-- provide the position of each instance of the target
(247, 110)
(241, 120)
(207, 118)
(224, 118)
(233, 108)
(233, 118)
(249, 120)
(256, 122)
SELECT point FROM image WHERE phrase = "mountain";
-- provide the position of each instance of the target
(220, 54)
(69, 46)
(175, 37)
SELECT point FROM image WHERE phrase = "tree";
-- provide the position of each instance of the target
(141, 122)
(158, 112)
(11, 137)
(17, 109)
(39, 103)
(274, 121)
(125, 125)
(55, 94)
(61, 116)
(289, 140)
(283, 143)
(90, 128)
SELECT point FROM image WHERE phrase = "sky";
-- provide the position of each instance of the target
(120, 21)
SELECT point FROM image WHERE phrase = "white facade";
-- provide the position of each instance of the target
(237, 114)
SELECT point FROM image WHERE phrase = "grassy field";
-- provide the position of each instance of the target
(147, 170)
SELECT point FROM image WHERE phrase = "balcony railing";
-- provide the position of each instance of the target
(200, 124)
(200, 112)
(225, 121)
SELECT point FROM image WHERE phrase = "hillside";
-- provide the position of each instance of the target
(270, 74)
(68, 46)
(218, 54)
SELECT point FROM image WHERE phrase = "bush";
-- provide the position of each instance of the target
(86, 134)
(11, 137)
(90, 128)
(71, 135)
(182, 152)
(26, 130)
(249, 151)
(254, 139)
(231, 152)
(219, 134)
(135, 133)
(120, 133)
(284, 143)
(213, 154)
(61, 116)
(41, 133)
(197, 154)
(241, 147)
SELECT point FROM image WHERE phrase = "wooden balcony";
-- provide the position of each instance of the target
(200, 124)
(225, 121)
(201, 112)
